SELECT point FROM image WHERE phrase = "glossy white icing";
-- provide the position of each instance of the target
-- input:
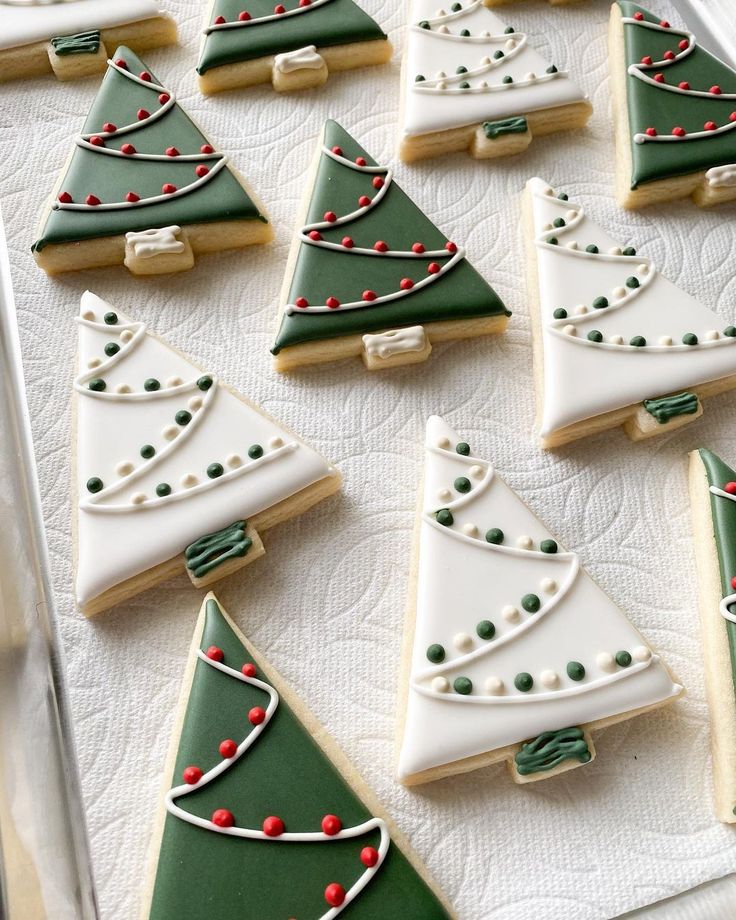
(125, 528)
(394, 342)
(462, 579)
(584, 379)
(22, 25)
(301, 59)
(147, 244)
(722, 176)
(439, 103)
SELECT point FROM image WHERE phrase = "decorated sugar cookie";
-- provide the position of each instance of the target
(369, 275)
(265, 818)
(144, 187)
(615, 342)
(472, 82)
(713, 497)
(174, 470)
(510, 2)
(674, 113)
(516, 654)
(294, 44)
(69, 38)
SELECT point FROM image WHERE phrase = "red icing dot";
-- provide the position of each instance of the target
(716, 90)
(334, 894)
(273, 826)
(684, 85)
(330, 217)
(647, 59)
(333, 303)
(219, 20)
(331, 825)
(732, 116)
(348, 242)
(172, 152)
(669, 55)
(142, 113)
(664, 24)
(66, 198)
(301, 302)
(406, 284)
(305, 2)
(360, 161)
(337, 151)
(638, 16)
(377, 182)
(659, 77)
(96, 141)
(215, 654)
(128, 148)
(132, 198)
(244, 16)
(369, 856)
(733, 582)
(380, 246)
(192, 775)
(710, 126)
(228, 748)
(145, 75)
(164, 98)
(417, 247)
(109, 127)
(92, 199)
(730, 487)
(364, 201)
(248, 669)
(206, 148)
(279, 9)
(369, 295)
(651, 132)
(202, 171)
(257, 715)
(678, 132)
(168, 189)
(684, 45)
(121, 64)
(450, 246)
(315, 235)
(433, 268)
(223, 818)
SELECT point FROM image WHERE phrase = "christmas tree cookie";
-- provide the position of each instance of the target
(713, 496)
(266, 818)
(369, 274)
(615, 343)
(470, 82)
(513, 652)
(509, 2)
(294, 45)
(174, 470)
(69, 39)
(675, 113)
(144, 186)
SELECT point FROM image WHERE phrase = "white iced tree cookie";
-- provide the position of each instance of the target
(515, 653)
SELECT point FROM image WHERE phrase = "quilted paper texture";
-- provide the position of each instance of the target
(326, 603)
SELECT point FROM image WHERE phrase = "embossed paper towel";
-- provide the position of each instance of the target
(326, 603)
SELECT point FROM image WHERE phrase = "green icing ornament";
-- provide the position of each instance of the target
(436, 654)
(623, 659)
(148, 451)
(463, 685)
(111, 348)
(494, 535)
(151, 385)
(463, 448)
(215, 470)
(444, 517)
(462, 484)
(485, 629)
(94, 484)
(531, 603)
(524, 682)
(255, 451)
(204, 383)
(97, 384)
(548, 546)
(163, 489)
(575, 670)
(183, 417)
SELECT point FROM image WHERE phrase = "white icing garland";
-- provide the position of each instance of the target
(302, 59)
(395, 341)
(288, 836)
(242, 23)
(730, 599)
(317, 226)
(147, 244)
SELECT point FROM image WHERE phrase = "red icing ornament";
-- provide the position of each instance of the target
(337, 151)
(333, 303)
(360, 161)
(132, 198)
(164, 98)
(417, 247)
(684, 85)
(369, 295)
(669, 55)
(364, 201)
(201, 171)
(65, 198)
(223, 818)
(168, 189)
(651, 132)
(330, 217)
(257, 715)
(369, 857)
(710, 126)
(248, 669)
(335, 894)
(380, 246)
(678, 132)
(638, 16)
(315, 235)
(331, 825)
(406, 284)
(96, 141)
(348, 242)
(730, 487)
(142, 113)
(244, 16)
(228, 748)
(219, 20)
(172, 152)
(716, 90)
(302, 303)
(215, 654)
(433, 268)
(109, 127)
(128, 148)
(664, 24)
(450, 246)
(279, 9)
(192, 775)
(377, 182)
(684, 45)
(659, 77)
(305, 2)
(273, 826)
(733, 582)
(92, 199)
(206, 148)
(121, 64)
(647, 59)
(145, 75)
(732, 116)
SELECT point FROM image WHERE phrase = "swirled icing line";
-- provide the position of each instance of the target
(394, 342)
(245, 20)
(147, 244)
(285, 837)
(301, 59)
(730, 599)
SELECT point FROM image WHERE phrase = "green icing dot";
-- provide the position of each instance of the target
(215, 470)
(562, 196)
(465, 33)
(456, 7)
(507, 79)
(553, 241)
(204, 383)
(148, 451)
(462, 484)
(559, 222)
(436, 654)
(444, 517)
(560, 313)
(163, 489)
(494, 535)
(595, 336)
(424, 24)
(629, 251)
(548, 546)
(575, 670)
(183, 417)
(509, 30)
(730, 331)
(419, 78)
(639, 341)
(623, 659)
(152, 384)
(485, 629)
(465, 85)
(592, 248)
(461, 69)
(94, 484)
(463, 448)
(463, 685)
(111, 318)
(524, 681)
(553, 69)
(632, 282)
(531, 603)
(255, 451)
(689, 339)
(600, 303)
(97, 384)
(498, 55)
(112, 348)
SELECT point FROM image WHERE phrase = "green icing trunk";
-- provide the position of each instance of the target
(204, 874)
(319, 273)
(662, 109)
(335, 23)
(110, 178)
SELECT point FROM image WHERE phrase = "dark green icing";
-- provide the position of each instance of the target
(444, 517)
(531, 603)
(485, 629)
(110, 178)
(524, 681)
(493, 129)
(211, 550)
(575, 670)
(494, 535)
(668, 407)
(319, 273)
(550, 749)
(436, 653)
(334, 23)
(81, 43)
(255, 451)
(723, 512)
(650, 106)
(204, 874)
(463, 685)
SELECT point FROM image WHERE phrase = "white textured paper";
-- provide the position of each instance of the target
(326, 603)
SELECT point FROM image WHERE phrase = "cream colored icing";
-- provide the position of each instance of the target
(462, 579)
(722, 176)
(301, 59)
(394, 342)
(147, 244)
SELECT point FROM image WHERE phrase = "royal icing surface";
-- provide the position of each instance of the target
(396, 341)
(151, 243)
(27, 23)
(465, 66)
(615, 331)
(301, 59)
(165, 453)
(505, 618)
(722, 176)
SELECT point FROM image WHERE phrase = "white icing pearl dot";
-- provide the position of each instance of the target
(440, 75)
(173, 381)
(549, 679)
(619, 292)
(443, 29)
(485, 60)
(511, 44)
(665, 340)
(712, 334)
(440, 684)
(234, 460)
(444, 443)
(524, 542)
(483, 84)
(485, 34)
(441, 13)
(606, 661)
(510, 613)
(137, 498)
(195, 403)
(641, 653)
(170, 432)
(572, 244)
(616, 340)
(494, 686)
(571, 215)
(549, 191)
(126, 335)
(122, 388)
(548, 226)
(276, 442)
(462, 642)
(548, 585)
(444, 495)
(476, 472)
(188, 480)
(88, 314)
(94, 362)
(442, 85)
(642, 269)
(470, 529)
(581, 309)
(124, 468)
(570, 329)
(614, 251)
(530, 76)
